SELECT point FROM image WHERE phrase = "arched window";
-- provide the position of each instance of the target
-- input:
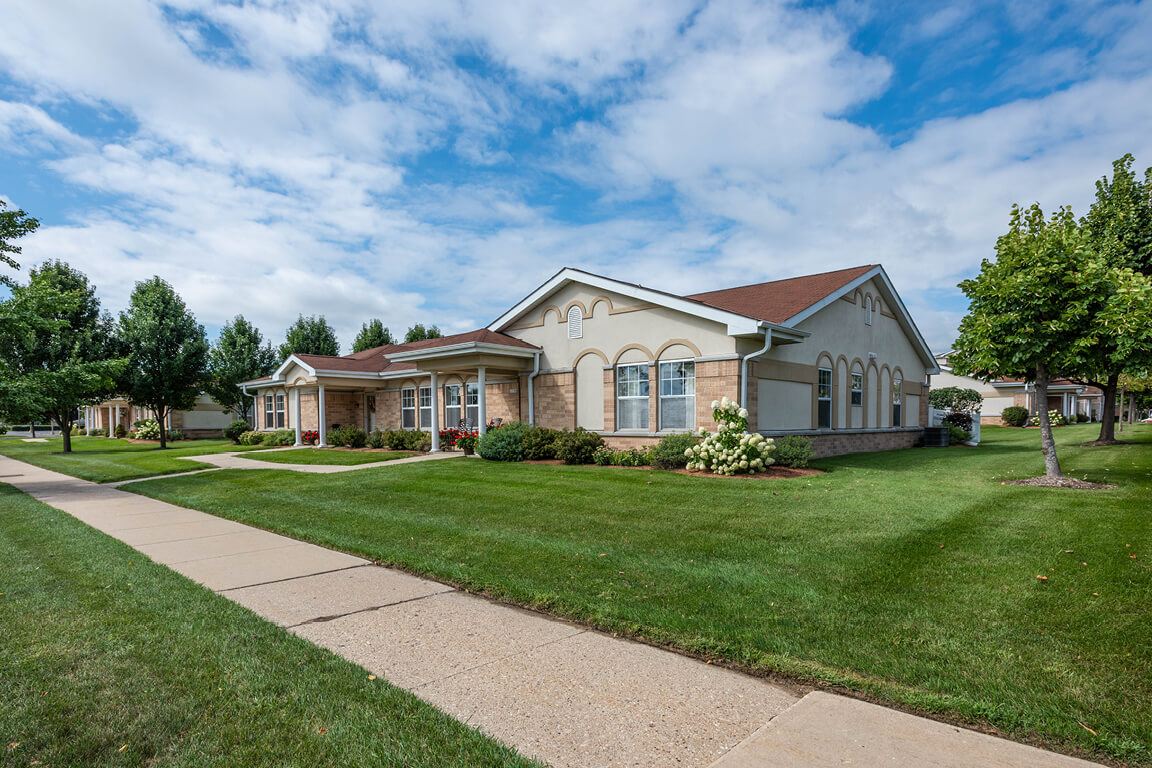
(868, 311)
(575, 323)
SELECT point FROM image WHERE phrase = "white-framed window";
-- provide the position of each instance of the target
(824, 398)
(273, 411)
(575, 323)
(632, 396)
(451, 405)
(897, 402)
(472, 403)
(408, 408)
(677, 394)
(425, 407)
(857, 389)
(868, 311)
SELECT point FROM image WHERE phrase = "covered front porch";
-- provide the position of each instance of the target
(436, 387)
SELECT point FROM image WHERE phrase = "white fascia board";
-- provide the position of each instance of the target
(902, 316)
(279, 374)
(737, 325)
(465, 348)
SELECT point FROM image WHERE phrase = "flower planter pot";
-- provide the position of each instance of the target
(469, 451)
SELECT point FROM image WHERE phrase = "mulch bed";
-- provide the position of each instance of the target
(1061, 482)
(772, 473)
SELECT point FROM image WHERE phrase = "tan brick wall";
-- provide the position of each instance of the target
(344, 408)
(610, 399)
(714, 380)
(502, 403)
(556, 400)
(388, 410)
(925, 406)
(309, 419)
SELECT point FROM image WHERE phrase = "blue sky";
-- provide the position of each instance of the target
(434, 162)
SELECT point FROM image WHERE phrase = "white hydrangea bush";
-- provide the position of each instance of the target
(731, 450)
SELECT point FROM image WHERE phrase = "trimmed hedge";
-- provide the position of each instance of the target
(578, 446)
(505, 443)
(1014, 416)
(792, 450)
(235, 429)
(669, 453)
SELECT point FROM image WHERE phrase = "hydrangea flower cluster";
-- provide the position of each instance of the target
(731, 450)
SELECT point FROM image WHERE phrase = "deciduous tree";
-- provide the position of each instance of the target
(167, 351)
(310, 336)
(13, 225)
(418, 333)
(238, 355)
(372, 334)
(61, 356)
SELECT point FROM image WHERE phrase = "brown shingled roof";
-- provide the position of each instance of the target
(378, 359)
(776, 301)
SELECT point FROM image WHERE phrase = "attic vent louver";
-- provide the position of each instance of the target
(575, 323)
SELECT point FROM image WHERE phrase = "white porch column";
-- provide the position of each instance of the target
(435, 416)
(109, 424)
(117, 420)
(323, 416)
(168, 419)
(483, 400)
(296, 414)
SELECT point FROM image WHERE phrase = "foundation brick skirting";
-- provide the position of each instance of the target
(864, 442)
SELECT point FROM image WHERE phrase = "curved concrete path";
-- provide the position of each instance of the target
(551, 689)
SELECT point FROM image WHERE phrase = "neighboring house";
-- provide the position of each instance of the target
(1067, 397)
(835, 356)
(205, 419)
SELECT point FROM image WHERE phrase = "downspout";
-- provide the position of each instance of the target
(744, 367)
(531, 387)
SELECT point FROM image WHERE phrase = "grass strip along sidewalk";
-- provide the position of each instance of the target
(109, 659)
(908, 575)
(107, 460)
(329, 457)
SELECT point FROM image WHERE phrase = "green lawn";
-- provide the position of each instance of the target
(909, 575)
(330, 457)
(107, 659)
(106, 460)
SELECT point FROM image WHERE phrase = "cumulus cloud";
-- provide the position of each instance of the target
(435, 161)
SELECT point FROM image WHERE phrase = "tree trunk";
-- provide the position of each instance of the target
(1131, 407)
(1047, 443)
(1108, 411)
(66, 432)
(1120, 410)
(160, 413)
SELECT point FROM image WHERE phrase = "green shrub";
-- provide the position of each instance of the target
(347, 436)
(962, 420)
(504, 444)
(669, 452)
(540, 443)
(1014, 416)
(252, 437)
(4, 429)
(603, 456)
(235, 429)
(578, 446)
(423, 442)
(76, 431)
(96, 432)
(175, 434)
(1081, 418)
(792, 450)
(281, 437)
(405, 440)
(120, 432)
(956, 435)
(376, 439)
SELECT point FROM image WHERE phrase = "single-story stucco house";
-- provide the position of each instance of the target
(1064, 396)
(206, 418)
(835, 356)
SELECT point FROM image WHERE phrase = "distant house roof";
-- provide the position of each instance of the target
(378, 360)
(778, 301)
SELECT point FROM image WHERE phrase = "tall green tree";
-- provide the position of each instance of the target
(239, 354)
(167, 351)
(63, 358)
(418, 333)
(13, 225)
(310, 336)
(1118, 227)
(372, 334)
(1032, 309)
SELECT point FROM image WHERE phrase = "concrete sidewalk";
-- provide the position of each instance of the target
(549, 688)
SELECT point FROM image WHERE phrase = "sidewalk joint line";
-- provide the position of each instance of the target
(323, 619)
(292, 578)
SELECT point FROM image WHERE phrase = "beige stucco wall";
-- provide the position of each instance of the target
(784, 404)
(616, 328)
(994, 402)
